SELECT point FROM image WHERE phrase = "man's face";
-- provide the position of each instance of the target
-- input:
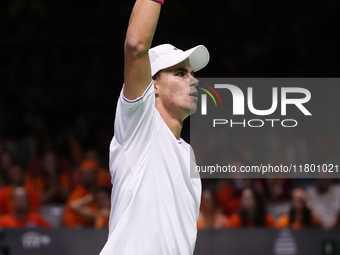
(176, 90)
(208, 202)
(88, 177)
(16, 175)
(248, 200)
(49, 162)
(298, 203)
(20, 199)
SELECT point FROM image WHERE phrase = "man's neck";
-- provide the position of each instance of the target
(174, 124)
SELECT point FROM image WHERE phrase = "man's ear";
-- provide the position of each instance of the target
(156, 86)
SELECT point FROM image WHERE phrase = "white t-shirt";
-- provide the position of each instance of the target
(154, 202)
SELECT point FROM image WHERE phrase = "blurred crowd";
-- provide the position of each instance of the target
(61, 71)
(83, 193)
(229, 206)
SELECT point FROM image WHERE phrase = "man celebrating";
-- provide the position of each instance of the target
(154, 202)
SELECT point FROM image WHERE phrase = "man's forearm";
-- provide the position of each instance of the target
(142, 26)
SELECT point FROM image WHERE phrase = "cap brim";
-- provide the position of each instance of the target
(198, 58)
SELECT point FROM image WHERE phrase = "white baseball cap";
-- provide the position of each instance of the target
(167, 55)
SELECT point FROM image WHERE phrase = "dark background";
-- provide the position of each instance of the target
(61, 62)
(61, 65)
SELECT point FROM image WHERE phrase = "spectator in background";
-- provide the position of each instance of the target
(38, 162)
(210, 215)
(17, 178)
(325, 201)
(104, 176)
(7, 157)
(300, 216)
(275, 190)
(89, 178)
(22, 215)
(52, 181)
(92, 157)
(252, 212)
(227, 196)
(100, 216)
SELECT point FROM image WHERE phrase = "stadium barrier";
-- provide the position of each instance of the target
(209, 242)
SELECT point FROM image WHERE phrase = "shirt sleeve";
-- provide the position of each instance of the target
(134, 122)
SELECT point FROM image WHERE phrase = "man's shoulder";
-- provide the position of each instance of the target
(146, 95)
(185, 143)
(187, 146)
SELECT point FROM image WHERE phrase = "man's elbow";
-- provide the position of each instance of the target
(135, 48)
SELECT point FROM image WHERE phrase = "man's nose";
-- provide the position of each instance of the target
(193, 81)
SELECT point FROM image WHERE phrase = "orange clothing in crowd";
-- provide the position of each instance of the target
(235, 221)
(220, 221)
(283, 222)
(72, 219)
(6, 205)
(101, 222)
(33, 219)
(228, 200)
(104, 177)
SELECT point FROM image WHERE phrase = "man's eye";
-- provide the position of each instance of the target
(180, 74)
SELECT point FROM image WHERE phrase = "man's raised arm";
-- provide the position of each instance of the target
(142, 26)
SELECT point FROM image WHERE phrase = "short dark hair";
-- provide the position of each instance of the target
(157, 75)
